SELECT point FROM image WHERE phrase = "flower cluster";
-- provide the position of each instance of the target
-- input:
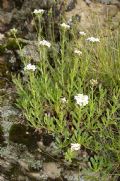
(38, 12)
(30, 67)
(63, 100)
(81, 99)
(45, 43)
(76, 51)
(1, 36)
(93, 82)
(65, 26)
(13, 31)
(93, 39)
(82, 33)
(75, 146)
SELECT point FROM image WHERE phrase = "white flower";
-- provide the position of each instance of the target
(2, 36)
(81, 99)
(76, 51)
(82, 33)
(93, 82)
(38, 11)
(93, 39)
(63, 100)
(75, 146)
(63, 25)
(13, 31)
(45, 43)
(30, 67)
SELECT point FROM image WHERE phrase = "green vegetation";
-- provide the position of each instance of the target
(73, 93)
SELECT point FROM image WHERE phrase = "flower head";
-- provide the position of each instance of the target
(13, 31)
(76, 51)
(65, 26)
(93, 39)
(82, 33)
(38, 11)
(2, 36)
(81, 99)
(45, 43)
(63, 100)
(30, 67)
(75, 146)
(93, 82)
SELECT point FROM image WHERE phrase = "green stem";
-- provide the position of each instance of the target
(62, 57)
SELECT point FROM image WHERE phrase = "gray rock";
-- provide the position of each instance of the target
(24, 165)
(7, 111)
(3, 68)
(30, 53)
(116, 21)
(108, 1)
(52, 169)
(1, 135)
(88, 2)
(73, 175)
(2, 178)
(105, 1)
(37, 176)
(5, 19)
(38, 4)
(5, 166)
(110, 11)
(70, 4)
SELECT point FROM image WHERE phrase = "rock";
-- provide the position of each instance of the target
(22, 178)
(52, 169)
(53, 150)
(7, 111)
(109, 1)
(88, 2)
(30, 53)
(102, 13)
(24, 165)
(1, 135)
(116, 21)
(5, 166)
(3, 66)
(2, 178)
(6, 4)
(37, 176)
(38, 4)
(41, 145)
(105, 1)
(72, 175)
(70, 4)
(110, 11)
(12, 59)
(5, 19)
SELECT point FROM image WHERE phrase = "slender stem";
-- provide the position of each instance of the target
(62, 56)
